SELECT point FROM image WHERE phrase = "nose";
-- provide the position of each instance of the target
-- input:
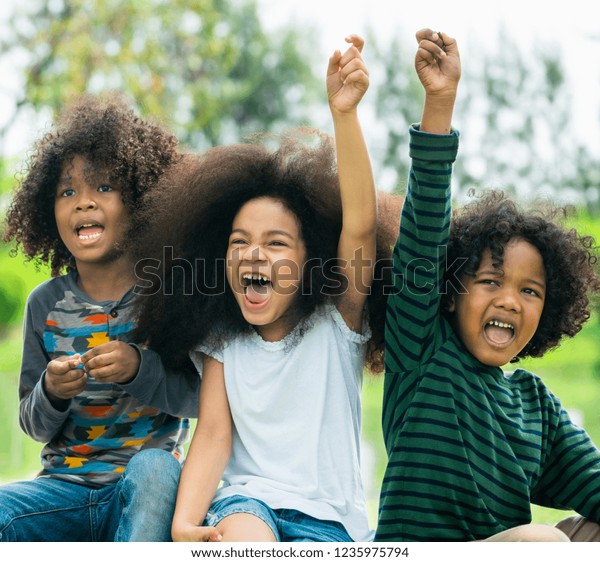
(85, 203)
(252, 253)
(508, 299)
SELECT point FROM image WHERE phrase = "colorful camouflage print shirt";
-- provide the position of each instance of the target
(92, 441)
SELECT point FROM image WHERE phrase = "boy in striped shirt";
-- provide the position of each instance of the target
(469, 446)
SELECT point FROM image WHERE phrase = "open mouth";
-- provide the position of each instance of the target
(257, 287)
(89, 231)
(499, 333)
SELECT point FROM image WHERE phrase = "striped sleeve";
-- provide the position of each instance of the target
(571, 474)
(419, 251)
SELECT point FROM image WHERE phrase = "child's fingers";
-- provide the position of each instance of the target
(354, 51)
(430, 51)
(334, 63)
(99, 350)
(357, 80)
(107, 353)
(427, 34)
(75, 362)
(357, 41)
(356, 68)
(100, 373)
(99, 360)
(448, 43)
(71, 382)
(62, 365)
(207, 534)
(443, 41)
(350, 59)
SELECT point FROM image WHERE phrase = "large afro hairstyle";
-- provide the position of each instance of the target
(110, 137)
(184, 296)
(491, 221)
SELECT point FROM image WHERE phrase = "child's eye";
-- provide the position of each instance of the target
(104, 188)
(277, 243)
(237, 241)
(66, 193)
(489, 282)
(532, 292)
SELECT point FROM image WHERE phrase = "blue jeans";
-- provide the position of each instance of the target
(138, 507)
(288, 525)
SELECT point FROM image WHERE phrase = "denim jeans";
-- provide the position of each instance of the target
(288, 525)
(138, 507)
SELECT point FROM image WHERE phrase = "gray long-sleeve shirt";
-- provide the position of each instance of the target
(92, 440)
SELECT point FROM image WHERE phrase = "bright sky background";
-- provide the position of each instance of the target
(566, 26)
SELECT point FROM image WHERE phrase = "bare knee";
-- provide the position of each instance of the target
(245, 527)
(533, 532)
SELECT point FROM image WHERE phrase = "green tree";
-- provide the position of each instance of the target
(205, 68)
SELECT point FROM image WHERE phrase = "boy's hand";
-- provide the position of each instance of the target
(195, 533)
(438, 64)
(64, 378)
(347, 77)
(115, 362)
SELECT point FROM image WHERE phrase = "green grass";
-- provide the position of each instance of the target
(19, 455)
(372, 435)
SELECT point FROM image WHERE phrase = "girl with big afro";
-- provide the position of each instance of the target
(274, 282)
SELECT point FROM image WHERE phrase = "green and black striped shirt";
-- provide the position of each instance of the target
(469, 446)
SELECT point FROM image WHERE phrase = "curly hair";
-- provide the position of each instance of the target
(110, 137)
(491, 222)
(300, 172)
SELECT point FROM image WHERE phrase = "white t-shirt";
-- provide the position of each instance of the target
(296, 412)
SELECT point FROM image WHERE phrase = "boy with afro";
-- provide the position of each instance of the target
(110, 416)
(469, 446)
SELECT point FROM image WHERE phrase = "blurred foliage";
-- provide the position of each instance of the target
(10, 302)
(514, 111)
(208, 71)
(402, 97)
(205, 68)
(11, 286)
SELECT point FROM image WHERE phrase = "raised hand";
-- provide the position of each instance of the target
(437, 63)
(347, 77)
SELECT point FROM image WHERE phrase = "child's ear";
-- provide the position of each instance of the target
(451, 303)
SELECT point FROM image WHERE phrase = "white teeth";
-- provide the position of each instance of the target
(500, 324)
(89, 236)
(255, 277)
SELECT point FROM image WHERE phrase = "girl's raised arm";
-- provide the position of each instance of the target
(347, 82)
(206, 459)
